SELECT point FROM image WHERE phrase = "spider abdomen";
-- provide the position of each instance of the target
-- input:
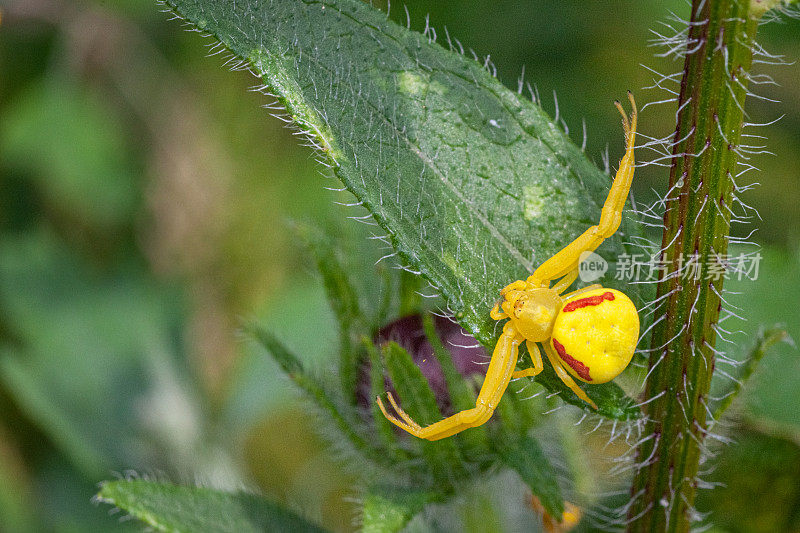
(595, 334)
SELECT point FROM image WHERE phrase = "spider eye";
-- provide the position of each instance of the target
(525, 308)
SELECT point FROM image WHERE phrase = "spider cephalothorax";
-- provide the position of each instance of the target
(532, 311)
(589, 334)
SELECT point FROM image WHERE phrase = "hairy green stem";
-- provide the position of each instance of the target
(719, 51)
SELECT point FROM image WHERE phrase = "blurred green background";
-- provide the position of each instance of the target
(144, 207)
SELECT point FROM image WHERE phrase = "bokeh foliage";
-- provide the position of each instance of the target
(143, 200)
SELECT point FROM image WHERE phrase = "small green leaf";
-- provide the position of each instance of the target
(167, 507)
(460, 393)
(385, 429)
(344, 302)
(766, 339)
(526, 457)
(294, 369)
(514, 410)
(389, 510)
(474, 184)
(759, 7)
(418, 400)
(410, 299)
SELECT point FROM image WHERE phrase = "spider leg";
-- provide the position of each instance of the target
(501, 367)
(409, 421)
(518, 285)
(610, 217)
(536, 359)
(562, 284)
(564, 375)
(393, 419)
(496, 313)
(572, 294)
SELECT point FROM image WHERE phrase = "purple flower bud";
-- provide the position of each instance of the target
(468, 355)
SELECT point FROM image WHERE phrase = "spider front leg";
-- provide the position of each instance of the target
(497, 313)
(563, 262)
(501, 368)
(518, 285)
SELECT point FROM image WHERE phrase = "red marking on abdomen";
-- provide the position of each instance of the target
(581, 369)
(588, 301)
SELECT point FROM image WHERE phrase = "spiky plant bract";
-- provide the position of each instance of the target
(399, 474)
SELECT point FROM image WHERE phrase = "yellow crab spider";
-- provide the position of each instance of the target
(589, 334)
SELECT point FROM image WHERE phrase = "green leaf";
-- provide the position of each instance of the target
(17, 511)
(515, 411)
(89, 346)
(167, 507)
(418, 400)
(767, 299)
(610, 399)
(294, 369)
(84, 167)
(344, 302)
(389, 510)
(474, 184)
(759, 7)
(527, 458)
(385, 429)
(461, 395)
